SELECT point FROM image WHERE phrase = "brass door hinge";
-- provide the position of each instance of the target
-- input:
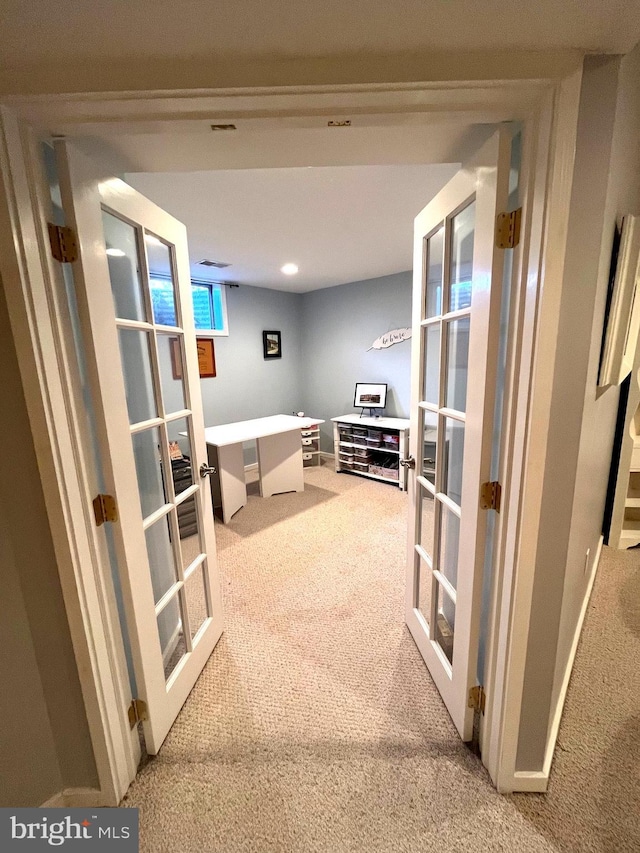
(491, 495)
(105, 508)
(137, 712)
(508, 229)
(64, 245)
(477, 699)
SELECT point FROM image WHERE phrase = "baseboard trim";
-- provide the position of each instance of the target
(537, 781)
(70, 798)
(529, 782)
(557, 713)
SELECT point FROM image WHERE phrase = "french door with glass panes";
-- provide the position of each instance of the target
(141, 356)
(456, 315)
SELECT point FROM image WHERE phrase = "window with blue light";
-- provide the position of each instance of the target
(209, 304)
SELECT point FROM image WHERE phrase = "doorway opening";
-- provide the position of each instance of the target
(299, 387)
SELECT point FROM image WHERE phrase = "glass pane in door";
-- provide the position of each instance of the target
(171, 634)
(171, 371)
(161, 559)
(445, 622)
(425, 583)
(432, 363)
(146, 452)
(196, 598)
(449, 542)
(435, 264)
(453, 459)
(427, 520)
(461, 268)
(163, 299)
(429, 443)
(138, 377)
(124, 268)
(457, 364)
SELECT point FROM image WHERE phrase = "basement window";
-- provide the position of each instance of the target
(209, 304)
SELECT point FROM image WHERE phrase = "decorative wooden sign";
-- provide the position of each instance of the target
(391, 338)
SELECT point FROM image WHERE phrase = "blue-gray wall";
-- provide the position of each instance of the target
(326, 335)
(340, 324)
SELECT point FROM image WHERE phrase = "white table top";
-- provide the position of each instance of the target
(380, 423)
(236, 433)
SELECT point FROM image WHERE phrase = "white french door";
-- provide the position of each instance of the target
(456, 317)
(141, 352)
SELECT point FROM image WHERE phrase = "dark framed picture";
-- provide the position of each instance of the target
(272, 344)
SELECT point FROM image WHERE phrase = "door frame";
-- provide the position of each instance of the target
(547, 109)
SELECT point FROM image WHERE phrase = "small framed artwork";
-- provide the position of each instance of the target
(272, 344)
(206, 358)
(370, 395)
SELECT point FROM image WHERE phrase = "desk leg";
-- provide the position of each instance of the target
(233, 490)
(280, 463)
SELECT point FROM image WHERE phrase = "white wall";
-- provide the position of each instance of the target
(600, 406)
(583, 417)
(44, 737)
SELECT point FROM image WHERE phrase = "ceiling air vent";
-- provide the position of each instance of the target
(223, 127)
(220, 265)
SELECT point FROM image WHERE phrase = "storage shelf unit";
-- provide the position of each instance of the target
(372, 447)
(310, 436)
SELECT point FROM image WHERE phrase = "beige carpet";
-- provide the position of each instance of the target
(315, 726)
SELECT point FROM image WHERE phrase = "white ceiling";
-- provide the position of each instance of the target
(338, 224)
(59, 31)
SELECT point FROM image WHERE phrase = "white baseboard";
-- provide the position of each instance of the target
(537, 781)
(71, 798)
(562, 695)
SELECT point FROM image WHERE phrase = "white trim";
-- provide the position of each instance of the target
(538, 780)
(70, 798)
(542, 260)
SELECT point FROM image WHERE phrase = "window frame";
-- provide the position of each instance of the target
(221, 286)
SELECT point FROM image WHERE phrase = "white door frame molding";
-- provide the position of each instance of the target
(547, 109)
(44, 343)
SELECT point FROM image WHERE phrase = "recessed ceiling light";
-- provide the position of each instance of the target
(153, 241)
(289, 269)
(115, 253)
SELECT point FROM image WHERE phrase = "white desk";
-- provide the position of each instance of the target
(279, 458)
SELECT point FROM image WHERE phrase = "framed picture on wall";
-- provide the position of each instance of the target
(206, 358)
(622, 319)
(272, 344)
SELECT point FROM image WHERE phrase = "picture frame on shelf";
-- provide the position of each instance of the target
(272, 344)
(370, 395)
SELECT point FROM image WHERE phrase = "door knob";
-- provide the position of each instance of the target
(207, 470)
(408, 463)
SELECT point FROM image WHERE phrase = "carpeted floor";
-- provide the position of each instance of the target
(315, 725)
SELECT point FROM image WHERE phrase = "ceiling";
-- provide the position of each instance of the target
(65, 30)
(338, 224)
